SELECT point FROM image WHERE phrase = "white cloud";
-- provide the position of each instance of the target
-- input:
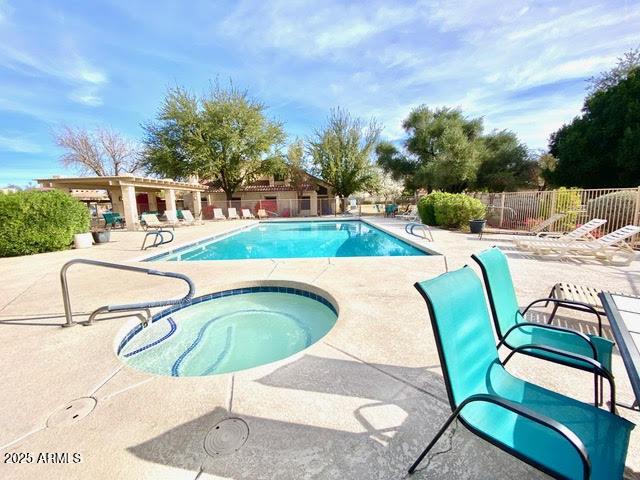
(18, 144)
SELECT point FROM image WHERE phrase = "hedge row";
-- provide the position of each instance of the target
(451, 210)
(35, 222)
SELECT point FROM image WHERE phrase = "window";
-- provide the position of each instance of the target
(305, 203)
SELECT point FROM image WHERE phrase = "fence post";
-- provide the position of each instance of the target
(636, 215)
(554, 200)
(501, 208)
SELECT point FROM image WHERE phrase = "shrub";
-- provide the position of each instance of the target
(36, 221)
(617, 207)
(568, 201)
(452, 210)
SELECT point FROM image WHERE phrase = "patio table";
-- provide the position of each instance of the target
(624, 316)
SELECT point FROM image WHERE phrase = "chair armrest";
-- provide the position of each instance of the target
(568, 304)
(559, 301)
(552, 327)
(545, 421)
(597, 366)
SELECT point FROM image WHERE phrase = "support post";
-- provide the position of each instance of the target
(130, 206)
(197, 204)
(501, 208)
(170, 199)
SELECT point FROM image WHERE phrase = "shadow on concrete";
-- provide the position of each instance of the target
(378, 439)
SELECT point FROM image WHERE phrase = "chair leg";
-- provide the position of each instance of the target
(601, 390)
(444, 427)
(596, 401)
(553, 313)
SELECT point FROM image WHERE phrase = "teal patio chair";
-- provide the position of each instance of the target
(560, 436)
(112, 219)
(540, 340)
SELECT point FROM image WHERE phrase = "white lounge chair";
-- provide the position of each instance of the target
(150, 220)
(172, 217)
(246, 214)
(606, 247)
(262, 213)
(188, 217)
(233, 214)
(577, 234)
(218, 215)
(540, 230)
(411, 215)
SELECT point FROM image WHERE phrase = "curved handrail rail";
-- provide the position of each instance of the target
(124, 307)
(158, 236)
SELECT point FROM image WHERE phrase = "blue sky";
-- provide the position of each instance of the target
(522, 65)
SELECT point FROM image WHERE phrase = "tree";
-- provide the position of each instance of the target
(604, 81)
(101, 152)
(341, 152)
(546, 166)
(441, 150)
(601, 148)
(383, 185)
(223, 136)
(505, 164)
(295, 167)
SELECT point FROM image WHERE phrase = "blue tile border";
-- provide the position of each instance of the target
(225, 293)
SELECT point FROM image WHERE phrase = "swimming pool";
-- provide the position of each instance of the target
(307, 239)
(229, 331)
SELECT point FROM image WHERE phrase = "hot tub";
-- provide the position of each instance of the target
(229, 331)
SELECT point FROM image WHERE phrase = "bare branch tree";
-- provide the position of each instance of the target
(102, 152)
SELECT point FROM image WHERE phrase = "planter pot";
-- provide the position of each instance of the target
(82, 240)
(476, 226)
(102, 236)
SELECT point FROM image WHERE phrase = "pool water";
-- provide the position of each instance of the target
(299, 240)
(231, 332)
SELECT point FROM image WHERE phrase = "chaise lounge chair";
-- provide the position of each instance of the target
(540, 230)
(188, 217)
(558, 435)
(232, 214)
(246, 214)
(218, 215)
(607, 247)
(113, 219)
(172, 218)
(262, 213)
(411, 214)
(577, 234)
(149, 220)
(540, 340)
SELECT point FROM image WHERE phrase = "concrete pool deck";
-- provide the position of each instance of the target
(360, 404)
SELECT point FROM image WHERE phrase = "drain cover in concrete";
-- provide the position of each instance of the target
(72, 412)
(226, 437)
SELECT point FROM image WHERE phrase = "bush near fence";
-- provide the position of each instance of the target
(36, 222)
(566, 201)
(618, 207)
(525, 209)
(452, 210)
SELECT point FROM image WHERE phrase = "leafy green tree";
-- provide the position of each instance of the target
(601, 148)
(341, 152)
(628, 62)
(546, 166)
(296, 167)
(505, 164)
(223, 136)
(442, 150)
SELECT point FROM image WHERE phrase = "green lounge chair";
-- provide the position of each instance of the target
(540, 340)
(556, 434)
(112, 219)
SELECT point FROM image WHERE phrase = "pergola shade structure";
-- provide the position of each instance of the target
(123, 189)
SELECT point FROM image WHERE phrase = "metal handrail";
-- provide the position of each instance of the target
(125, 307)
(158, 236)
